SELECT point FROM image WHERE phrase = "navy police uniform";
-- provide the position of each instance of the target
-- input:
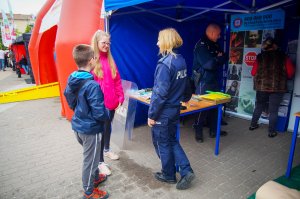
(207, 63)
(170, 83)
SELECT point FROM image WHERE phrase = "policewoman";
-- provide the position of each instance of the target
(170, 88)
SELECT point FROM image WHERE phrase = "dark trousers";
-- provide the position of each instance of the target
(169, 149)
(262, 98)
(210, 116)
(105, 142)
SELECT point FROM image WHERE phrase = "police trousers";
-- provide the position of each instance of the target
(169, 149)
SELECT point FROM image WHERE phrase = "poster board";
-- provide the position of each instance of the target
(248, 32)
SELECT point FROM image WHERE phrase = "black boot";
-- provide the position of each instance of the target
(19, 73)
(223, 123)
(198, 133)
(212, 134)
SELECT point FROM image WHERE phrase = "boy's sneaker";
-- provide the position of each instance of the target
(104, 169)
(111, 155)
(97, 194)
(102, 178)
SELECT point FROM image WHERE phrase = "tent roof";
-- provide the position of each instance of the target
(183, 10)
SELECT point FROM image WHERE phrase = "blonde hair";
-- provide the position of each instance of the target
(168, 39)
(82, 54)
(98, 35)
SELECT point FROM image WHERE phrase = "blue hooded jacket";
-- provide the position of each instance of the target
(85, 97)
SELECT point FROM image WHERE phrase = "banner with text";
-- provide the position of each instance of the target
(248, 32)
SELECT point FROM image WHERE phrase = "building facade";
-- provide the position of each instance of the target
(21, 21)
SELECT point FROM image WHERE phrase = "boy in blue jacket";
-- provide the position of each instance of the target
(85, 97)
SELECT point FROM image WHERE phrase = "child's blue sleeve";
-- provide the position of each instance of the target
(96, 101)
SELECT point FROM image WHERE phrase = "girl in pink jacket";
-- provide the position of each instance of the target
(107, 75)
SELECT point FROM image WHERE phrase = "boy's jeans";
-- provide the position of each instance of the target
(91, 144)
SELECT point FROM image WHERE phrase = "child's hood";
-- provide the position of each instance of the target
(77, 77)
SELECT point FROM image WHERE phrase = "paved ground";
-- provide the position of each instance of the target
(40, 157)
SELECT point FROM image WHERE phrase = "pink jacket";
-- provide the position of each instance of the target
(111, 88)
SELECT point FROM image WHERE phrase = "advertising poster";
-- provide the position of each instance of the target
(247, 94)
(5, 30)
(248, 32)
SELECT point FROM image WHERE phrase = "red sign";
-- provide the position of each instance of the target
(250, 58)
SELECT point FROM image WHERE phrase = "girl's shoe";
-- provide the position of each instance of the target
(111, 155)
(104, 169)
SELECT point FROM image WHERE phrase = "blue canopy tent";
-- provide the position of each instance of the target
(134, 27)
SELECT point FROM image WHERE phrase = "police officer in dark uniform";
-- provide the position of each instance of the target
(170, 87)
(208, 59)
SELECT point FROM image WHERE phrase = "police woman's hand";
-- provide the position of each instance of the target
(151, 122)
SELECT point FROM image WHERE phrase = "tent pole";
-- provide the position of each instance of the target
(200, 13)
(216, 9)
(225, 49)
(156, 13)
(106, 23)
(241, 5)
(273, 5)
(253, 3)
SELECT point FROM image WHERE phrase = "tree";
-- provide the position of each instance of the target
(1, 43)
(18, 33)
(28, 28)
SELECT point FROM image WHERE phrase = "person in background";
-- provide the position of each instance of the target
(108, 76)
(253, 40)
(234, 93)
(85, 97)
(170, 88)
(208, 59)
(271, 70)
(236, 39)
(235, 56)
(234, 73)
(12, 60)
(23, 64)
(6, 60)
(2, 66)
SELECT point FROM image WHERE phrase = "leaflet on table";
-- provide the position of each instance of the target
(215, 96)
(143, 93)
(211, 96)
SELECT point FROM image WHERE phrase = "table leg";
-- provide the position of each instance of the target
(218, 129)
(129, 123)
(292, 149)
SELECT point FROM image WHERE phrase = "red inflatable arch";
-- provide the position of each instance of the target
(19, 50)
(37, 53)
(78, 22)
